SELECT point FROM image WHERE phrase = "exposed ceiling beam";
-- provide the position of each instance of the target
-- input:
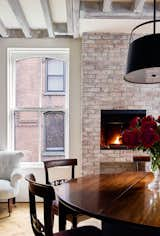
(76, 14)
(138, 6)
(48, 17)
(3, 30)
(60, 28)
(69, 8)
(120, 10)
(107, 5)
(18, 11)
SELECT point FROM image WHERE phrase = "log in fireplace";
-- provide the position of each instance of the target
(113, 122)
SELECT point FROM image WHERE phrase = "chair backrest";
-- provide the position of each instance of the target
(47, 193)
(140, 162)
(57, 163)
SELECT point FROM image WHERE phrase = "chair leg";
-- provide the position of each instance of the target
(14, 200)
(10, 204)
(74, 222)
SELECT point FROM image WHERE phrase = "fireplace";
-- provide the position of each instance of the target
(113, 122)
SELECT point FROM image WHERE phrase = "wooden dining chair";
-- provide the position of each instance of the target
(57, 163)
(140, 162)
(46, 192)
(73, 217)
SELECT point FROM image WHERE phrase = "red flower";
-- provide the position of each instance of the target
(131, 138)
(149, 137)
(135, 122)
(148, 122)
(148, 118)
(143, 133)
(158, 120)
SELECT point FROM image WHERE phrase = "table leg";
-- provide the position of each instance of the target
(62, 216)
(108, 229)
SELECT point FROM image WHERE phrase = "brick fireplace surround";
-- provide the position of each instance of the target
(102, 87)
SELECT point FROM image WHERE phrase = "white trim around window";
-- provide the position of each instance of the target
(14, 54)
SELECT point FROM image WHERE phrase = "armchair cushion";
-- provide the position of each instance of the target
(9, 161)
(15, 176)
(6, 190)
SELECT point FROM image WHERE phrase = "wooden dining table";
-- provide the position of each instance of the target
(123, 202)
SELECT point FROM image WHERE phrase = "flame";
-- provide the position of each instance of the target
(117, 140)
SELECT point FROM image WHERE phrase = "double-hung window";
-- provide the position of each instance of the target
(38, 107)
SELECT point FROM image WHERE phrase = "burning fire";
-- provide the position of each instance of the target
(117, 140)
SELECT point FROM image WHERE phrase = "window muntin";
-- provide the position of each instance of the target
(55, 75)
(54, 131)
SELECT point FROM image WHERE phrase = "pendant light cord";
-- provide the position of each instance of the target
(147, 22)
(154, 17)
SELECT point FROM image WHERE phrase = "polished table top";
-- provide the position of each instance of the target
(117, 197)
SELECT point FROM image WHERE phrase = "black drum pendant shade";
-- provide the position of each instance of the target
(143, 62)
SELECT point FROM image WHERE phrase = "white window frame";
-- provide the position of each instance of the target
(14, 54)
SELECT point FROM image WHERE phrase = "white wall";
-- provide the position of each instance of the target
(75, 126)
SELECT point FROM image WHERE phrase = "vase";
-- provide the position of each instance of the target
(155, 184)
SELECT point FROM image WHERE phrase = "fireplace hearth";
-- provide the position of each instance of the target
(113, 122)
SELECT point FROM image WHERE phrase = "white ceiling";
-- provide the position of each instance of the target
(72, 17)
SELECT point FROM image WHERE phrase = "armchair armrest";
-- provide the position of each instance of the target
(15, 177)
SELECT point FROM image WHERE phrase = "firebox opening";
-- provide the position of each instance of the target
(113, 122)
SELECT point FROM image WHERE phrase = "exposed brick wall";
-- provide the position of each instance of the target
(103, 87)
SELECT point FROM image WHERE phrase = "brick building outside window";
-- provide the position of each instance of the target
(39, 113)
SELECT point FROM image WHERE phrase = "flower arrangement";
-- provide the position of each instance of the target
(144, 134)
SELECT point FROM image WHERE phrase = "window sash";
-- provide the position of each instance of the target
(62, 76)
(49, 72)
(53, 77)
(43, 149)
(58, 148)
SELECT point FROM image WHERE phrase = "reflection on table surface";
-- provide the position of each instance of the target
(119, 197)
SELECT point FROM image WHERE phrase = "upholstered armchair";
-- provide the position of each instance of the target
(9, 176)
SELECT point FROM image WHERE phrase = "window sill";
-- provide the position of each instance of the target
(53, 154)
(31, 165)
(54, 94)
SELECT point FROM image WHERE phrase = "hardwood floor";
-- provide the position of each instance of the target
(18, 224)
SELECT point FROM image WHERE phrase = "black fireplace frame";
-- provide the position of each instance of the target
(119, 116)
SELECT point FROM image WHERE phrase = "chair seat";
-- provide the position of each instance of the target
(55, 209)
(81, 231)
(6, 190)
